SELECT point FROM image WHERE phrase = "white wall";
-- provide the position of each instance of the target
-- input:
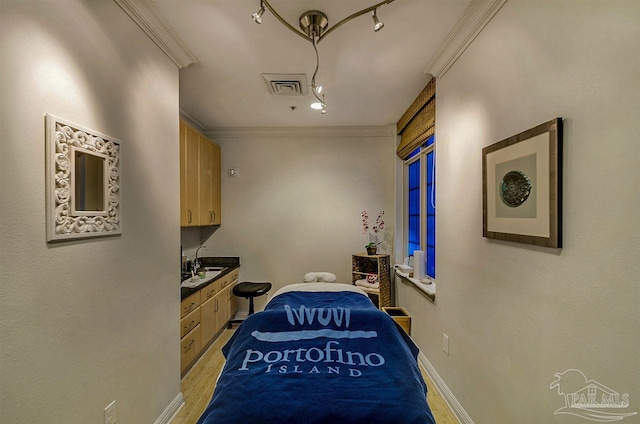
(296, 204)
(517, 314)
(87, 322)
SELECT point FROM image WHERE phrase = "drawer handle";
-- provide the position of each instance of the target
(210, 293)
(189, 220)
(213, 219)
(186, 308)
(189, 326)
(187, 347)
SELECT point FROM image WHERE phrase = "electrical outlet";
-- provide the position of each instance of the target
(110, 413)
(445, 343)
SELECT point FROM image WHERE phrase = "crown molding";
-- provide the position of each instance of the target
(191, 120)
(301, 132)
(475, 17)
(145, 14)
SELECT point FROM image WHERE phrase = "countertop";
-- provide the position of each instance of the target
(229, 262)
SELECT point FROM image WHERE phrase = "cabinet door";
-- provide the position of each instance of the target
(234, 304)
(206, 182)
(189, 173)
(226, 306)
(216, 186)
(209, 183)
(189, 348)
(208, 321)
(221, 302)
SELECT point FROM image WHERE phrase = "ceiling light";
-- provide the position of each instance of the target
(377, 25)
(315, 26)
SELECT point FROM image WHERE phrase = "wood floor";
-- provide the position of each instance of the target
(198, 385)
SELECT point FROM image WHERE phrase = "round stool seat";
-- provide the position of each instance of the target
(248, 289)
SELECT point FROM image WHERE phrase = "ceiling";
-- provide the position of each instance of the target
(369, 78)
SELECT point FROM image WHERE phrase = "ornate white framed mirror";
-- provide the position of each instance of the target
(83, 182)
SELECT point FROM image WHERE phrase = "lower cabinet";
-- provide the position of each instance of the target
(204, 315)
(190, 348)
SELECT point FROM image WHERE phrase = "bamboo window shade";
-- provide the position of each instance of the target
(419, 121)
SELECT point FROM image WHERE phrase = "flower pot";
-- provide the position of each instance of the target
(372, 250)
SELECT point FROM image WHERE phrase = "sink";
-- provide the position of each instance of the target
(211, 273)
(214, 268)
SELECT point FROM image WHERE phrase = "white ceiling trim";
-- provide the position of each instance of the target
(146, 15)
(475, 17)
(191, 120)
(301, 132)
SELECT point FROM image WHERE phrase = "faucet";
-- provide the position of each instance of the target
(196, 264)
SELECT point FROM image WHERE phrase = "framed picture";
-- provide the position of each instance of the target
(522, 187)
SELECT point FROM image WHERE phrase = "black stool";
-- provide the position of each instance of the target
(249, 290)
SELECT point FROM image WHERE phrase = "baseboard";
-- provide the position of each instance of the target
(171, 410)
(444, 390)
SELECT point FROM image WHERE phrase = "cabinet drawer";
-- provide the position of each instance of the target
(224, 281)
(209, 291)
(189, 348)
(189, 322)
(189, 304)
(233, 275)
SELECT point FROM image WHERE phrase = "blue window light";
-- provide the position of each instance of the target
(421, 211)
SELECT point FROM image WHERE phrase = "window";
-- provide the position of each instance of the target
(420, 186)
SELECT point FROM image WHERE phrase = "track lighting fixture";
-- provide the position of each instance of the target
(377, 25)
(257, 17)
(315, 26)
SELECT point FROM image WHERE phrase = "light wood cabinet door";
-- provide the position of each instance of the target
(209, 183)
(222, 309)
(208, 320)
(189, 176)
(216, 183)
(234, 304)
(190, 348)
(200, 179)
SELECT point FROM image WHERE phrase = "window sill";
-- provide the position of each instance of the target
(429, 290)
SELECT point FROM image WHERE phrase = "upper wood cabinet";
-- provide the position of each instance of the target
(200, 202)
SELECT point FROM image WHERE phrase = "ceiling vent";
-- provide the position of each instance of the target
(286, 84)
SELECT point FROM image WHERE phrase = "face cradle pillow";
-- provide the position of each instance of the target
(323, 277)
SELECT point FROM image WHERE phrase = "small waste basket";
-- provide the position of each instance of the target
(400, 316)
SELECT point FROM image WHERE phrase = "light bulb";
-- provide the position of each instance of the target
(257, 17)
(377, 25)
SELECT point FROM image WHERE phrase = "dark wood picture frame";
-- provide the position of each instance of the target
(527, 166)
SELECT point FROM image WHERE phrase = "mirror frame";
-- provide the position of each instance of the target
(63, 138)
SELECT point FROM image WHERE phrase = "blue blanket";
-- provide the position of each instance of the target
(319, 357)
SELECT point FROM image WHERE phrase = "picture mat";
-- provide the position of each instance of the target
(526, 165)
(540, 225)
